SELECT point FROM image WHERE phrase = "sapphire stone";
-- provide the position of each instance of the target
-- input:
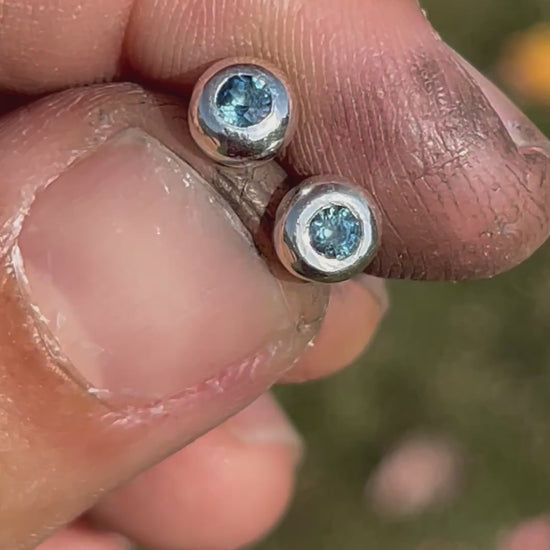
(244, 100)
(335, 232)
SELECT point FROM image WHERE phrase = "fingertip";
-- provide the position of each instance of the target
(225, 490)
(355, 310)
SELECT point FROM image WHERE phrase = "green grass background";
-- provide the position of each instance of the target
(470, 361)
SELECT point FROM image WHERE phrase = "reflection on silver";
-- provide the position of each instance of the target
(228, 142)
(295, 242)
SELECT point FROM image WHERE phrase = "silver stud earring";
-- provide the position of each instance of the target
(241, 112)
(326, 230)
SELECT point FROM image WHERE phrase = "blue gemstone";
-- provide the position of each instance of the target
(335, 232)
(244, 100)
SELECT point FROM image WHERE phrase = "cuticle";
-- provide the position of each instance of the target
(131, 409)
(38, 324)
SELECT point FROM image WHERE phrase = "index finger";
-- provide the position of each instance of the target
(383, 102)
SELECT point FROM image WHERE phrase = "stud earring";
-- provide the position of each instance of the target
(241, 112)
(326, 230)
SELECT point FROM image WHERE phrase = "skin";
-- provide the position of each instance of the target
(462, 191)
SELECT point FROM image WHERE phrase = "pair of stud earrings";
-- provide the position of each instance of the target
(243, 112)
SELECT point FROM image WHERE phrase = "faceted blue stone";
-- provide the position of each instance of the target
(244, 101)
(335, 232)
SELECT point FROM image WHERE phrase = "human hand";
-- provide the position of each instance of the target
(462, 191)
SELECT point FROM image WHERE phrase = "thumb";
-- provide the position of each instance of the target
(137, 313)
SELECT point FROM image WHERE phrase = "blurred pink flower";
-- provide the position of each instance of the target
(420, 473)
(531, 535)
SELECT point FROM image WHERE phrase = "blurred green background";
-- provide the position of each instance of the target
(469, 362)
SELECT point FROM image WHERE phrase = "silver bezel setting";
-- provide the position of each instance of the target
(231, 144)
(292, 237)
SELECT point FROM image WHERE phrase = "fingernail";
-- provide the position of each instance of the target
(263, 423)
(377, 288)
(147, 280)
(80, 537)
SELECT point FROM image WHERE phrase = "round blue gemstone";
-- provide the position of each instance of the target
(244, 100)
(335, 232)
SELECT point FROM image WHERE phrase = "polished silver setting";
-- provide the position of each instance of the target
(292, 239)
(231, 144)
